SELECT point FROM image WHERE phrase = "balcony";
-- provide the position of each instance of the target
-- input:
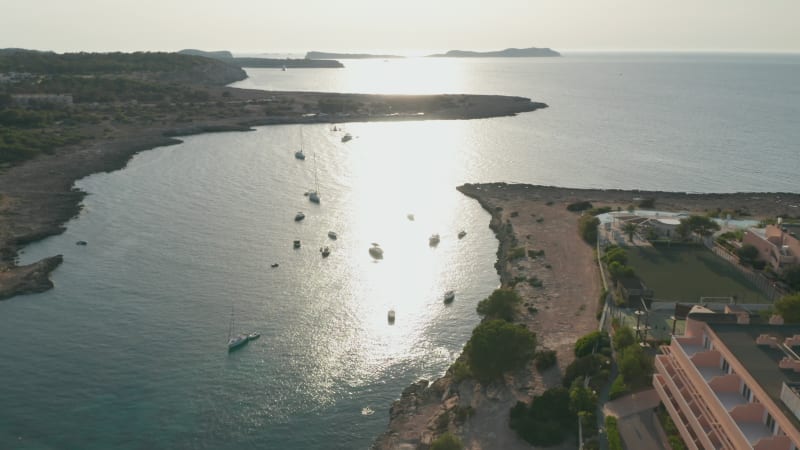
(754, 431)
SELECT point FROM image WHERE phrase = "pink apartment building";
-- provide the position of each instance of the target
(731, 384)
(776, 246)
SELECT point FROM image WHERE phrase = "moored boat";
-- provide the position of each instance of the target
(333, 235)
(253, 336)
(296, 243)
(449, 296)
(299, 216)
(461, 234)
(390, 316)
(433, 241)
(376, 251)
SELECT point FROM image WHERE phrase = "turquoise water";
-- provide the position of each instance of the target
(128, 351)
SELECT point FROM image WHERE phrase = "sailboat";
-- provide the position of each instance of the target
(235, 342)
(299, 154)
(314, 195)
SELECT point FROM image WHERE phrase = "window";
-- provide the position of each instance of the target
(725, 366)
(706, 342)
(770, 423)
(746, 393)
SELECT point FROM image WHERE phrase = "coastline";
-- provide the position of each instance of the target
(536, 218)
(37, 197)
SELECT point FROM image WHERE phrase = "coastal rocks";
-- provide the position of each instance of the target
(29, 279)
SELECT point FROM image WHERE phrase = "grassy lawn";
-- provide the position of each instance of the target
(685, 274)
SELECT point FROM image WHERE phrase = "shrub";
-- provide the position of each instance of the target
(648, 203)
(747, 253)
(587, 366)
(587, 228)
(618, 388)
(460, 371)
(579, 206)
(588, 343)
(500, 304)
(447, 441)
(516, 253)
(497, 346)
(547, 421)
(789, 308)
(545, 359)
(612, 432)
(624, 337)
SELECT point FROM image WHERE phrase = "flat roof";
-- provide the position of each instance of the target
(761, 361)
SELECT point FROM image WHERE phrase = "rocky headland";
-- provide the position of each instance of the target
(531, 52)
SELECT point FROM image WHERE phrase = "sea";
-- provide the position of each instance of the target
(129, 350)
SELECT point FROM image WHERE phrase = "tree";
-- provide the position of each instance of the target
(594, 341)
(791, 276)
(623, 338)
(700, 225)
(635, 366)
(500, 304)
(497, 346)
(630, 229)
(615, 254)
(747, 253)
(547, 421)
(789, 308)
(447, 441)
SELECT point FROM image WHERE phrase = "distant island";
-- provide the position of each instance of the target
(328, 55)
(532, 52)
(274, 63)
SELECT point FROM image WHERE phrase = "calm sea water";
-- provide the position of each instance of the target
(129, 350)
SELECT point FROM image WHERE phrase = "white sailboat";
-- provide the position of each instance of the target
(299, 154)
(237, 341)
(314, 195)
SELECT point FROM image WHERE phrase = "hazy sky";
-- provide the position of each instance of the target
(416, 26)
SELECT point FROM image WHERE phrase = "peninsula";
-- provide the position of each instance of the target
(265, 63)
(66, 116)
(328, 55)
(532, 52)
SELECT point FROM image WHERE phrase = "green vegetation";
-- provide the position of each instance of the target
(616, 258)
(618, 388)
(624, 337)
(791, 276)
(647, 203)
(612, 432)
(635, 366)
(587, 228)
(447, 441)
(460, 371)
(547, 421)
(630, 229)
(594, 342)
(516, 253)
(579, 206)
(594, 366)
(545, 359)
(789, 308)
(700, 225)
(497, 346)
(747, 253)
(500, 304)
(701, 274)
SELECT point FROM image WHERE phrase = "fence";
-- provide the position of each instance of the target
(761, 282)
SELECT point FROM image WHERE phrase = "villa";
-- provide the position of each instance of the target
(777, 245)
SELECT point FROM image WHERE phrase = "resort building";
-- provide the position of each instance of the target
(731, 384)
(778, 246)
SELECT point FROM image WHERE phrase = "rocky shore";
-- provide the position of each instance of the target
(559, 311)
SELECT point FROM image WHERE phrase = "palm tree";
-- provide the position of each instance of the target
(630, 229)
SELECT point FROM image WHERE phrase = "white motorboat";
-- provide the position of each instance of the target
(237, 341)
(253, 336)
(347, 137)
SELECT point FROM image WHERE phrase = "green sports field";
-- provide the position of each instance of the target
(685, 274)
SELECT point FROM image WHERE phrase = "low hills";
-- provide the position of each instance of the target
(329, 55)
(274, 63)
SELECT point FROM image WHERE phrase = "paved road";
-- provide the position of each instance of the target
(639, 432)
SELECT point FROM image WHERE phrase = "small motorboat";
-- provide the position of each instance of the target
(433, 241)
(449, 296)
(390, 316)
(325, 251)
(461, 234)
(376, 251)
(299, 216)
(81, 243)
(300, 155)
(410, 217)
(296, 243)
(347, 137)
(253, 336)
(274, 265)
(333, 235)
